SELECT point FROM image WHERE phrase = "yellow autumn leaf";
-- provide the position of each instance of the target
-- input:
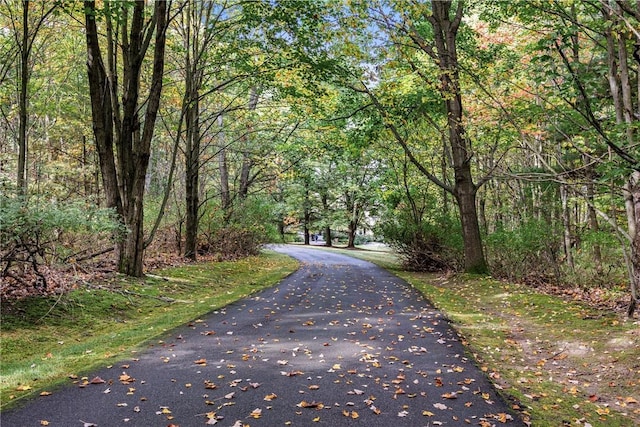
(428, 413)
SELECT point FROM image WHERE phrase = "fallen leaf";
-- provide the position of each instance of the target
(97, 380)
(44, 422)
(270, 397)
(256, 413)
(428, 413)
(125, 378)
(202, 362)
(314, 404)
(46, 393)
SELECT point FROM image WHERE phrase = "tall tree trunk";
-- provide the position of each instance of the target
(445, 33)
(25, 42)
(444, 53)
(352, 224)
(306, 213)
(325, 208)
(621, 92)
(223, 169)
(25, 47)
(192, 175)
(635, 245)
(124, 180)
(247, 161)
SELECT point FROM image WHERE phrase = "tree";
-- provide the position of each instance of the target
(25, 29)
(117, 109)
(432, 30)
(589, 100)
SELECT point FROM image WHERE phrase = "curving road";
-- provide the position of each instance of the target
(340, 342)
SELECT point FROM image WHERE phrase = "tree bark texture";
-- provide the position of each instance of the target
(118, 124)
(445, 33)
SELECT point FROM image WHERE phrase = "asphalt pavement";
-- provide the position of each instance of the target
(340, 342)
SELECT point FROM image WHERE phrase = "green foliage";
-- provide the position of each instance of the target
(426, 245)
(528, 253)
(610, 272)
(40, 234)
(240, 231)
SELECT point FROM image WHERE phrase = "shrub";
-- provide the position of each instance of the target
(238, 233)
(527, 254)
(427, 246)
(234, 242)
(36, 236)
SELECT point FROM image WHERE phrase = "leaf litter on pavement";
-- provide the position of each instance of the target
(313, 352)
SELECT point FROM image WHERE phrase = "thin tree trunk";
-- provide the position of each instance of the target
(247, 161)
(306, 219)
(327, 228)
(223, 168)
(566, 222)
(635, 245)
(592, 217)
(22, 113)
(192, 174)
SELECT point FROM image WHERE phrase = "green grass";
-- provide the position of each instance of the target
(546, 353)
(524, 340)
(45, 340)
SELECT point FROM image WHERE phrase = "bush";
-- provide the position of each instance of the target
(233, 242)
(244, 230)
(428, 246)
(36, 236)
(526, 254)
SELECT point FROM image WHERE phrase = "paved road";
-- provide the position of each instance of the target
(338, 343)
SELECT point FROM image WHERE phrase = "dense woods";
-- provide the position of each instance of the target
(488, 137)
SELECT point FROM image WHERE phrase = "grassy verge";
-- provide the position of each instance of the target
(44, 341)
(560, 362)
